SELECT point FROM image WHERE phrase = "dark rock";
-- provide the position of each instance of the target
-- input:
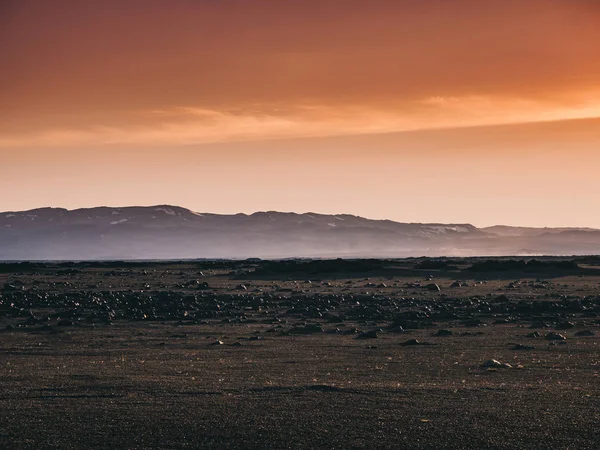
(352, 331)
(13, 287)
(368, 335)
(552, 336)
(308, 329)
(565, 326)
(412, 342)
(523, 347)
(539, 325)
(473, 323)
(443, 332)
(501, 322)
(495, 364)
(585, 333)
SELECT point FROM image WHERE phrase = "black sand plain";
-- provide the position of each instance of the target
(301, 354)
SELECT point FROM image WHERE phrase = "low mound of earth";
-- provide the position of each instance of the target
(300, 354)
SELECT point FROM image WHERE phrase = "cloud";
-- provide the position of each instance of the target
(188, 125)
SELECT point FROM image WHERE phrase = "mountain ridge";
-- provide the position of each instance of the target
(174, 232)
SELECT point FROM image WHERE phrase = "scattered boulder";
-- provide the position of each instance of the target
(585, 333)
(523, 347)
(307, 329)
(552, 336)
(203, 285)
(473, 323)
(495, 364)
(368, 335)
(500, 322)
(396, 329)
(65, 323)
(433, 287)
(412, 342)
(13, 287)
(565, 326)
(352, 331)
(443, 332)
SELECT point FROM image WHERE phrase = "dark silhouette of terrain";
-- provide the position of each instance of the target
(169, 232)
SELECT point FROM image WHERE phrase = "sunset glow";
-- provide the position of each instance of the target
(464, 111)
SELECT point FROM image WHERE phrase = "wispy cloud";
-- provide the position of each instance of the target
(188, 125)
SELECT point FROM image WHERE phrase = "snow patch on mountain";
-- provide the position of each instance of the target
(168, 211)
(117, 222)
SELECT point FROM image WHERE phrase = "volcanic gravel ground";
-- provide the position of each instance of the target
(286, 355)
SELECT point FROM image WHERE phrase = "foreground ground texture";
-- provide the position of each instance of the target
(301, 354)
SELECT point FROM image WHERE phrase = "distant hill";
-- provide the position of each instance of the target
(504, 230)
(170, 232)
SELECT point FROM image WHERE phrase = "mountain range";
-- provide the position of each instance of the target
(171, 232)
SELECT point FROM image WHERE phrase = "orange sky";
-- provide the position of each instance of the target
(384, 108)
